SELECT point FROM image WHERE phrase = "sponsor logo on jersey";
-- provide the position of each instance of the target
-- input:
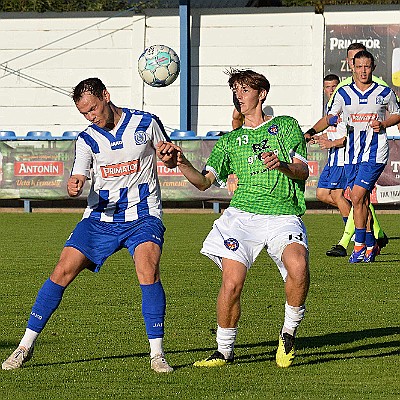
(363, 117)
(116, 145)
(379, 100)
(231, 244)
(261, 147)
(273, 130)
(38, 168)
(140, 137)
(121, 169)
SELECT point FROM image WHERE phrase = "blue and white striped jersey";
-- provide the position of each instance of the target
(335, 154)
(122, 166)
(357, 109)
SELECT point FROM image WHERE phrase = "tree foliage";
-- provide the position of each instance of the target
(74, 5)
(139, 5)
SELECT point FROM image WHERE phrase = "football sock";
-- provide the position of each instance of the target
(293, 317)
(47, 301)
(156, 347)
(369, 240)
(348, 230)
(29, 338)
(153, 309)
(378, 232)
(226, 338)
(360, 237)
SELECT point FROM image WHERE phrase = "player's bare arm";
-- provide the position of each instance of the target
(377, 125)
(237, 119)
(297, 169)
(320, 126)
(325, 144)
(201, 181)
(75, 185)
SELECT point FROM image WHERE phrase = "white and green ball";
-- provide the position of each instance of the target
(159, 65)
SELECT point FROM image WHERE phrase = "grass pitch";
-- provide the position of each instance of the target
(94, 346)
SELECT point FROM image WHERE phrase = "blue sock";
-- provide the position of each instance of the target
(369, 239)
(360, 235)
(345, 220)
(153, 309)
(47, 301)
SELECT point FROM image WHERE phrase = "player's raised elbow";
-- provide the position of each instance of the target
(203, 186)
(206, 181)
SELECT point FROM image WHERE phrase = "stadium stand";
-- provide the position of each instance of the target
(70, 134)
(183, 135)
(7, 135)
(39, 135)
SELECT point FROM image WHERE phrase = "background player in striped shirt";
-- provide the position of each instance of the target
(339, 249)
(367, 108)
(332, 181)
(117, 152)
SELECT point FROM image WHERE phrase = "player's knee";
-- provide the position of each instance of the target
(232, 288)
(357, 200)
(297, 269)
(323, 196)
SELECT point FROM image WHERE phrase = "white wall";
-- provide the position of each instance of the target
(286, 47)
(62, 49)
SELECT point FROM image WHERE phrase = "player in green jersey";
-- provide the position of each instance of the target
(268, 155)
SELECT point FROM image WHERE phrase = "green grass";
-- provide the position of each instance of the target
(94, 346)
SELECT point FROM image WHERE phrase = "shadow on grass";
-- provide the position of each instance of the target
(376, 349)
(307, 347)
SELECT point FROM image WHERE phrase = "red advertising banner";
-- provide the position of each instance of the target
(38, 168)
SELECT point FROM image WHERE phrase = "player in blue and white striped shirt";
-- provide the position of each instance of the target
(117, 152)
(339, 250)
(332, 181)
(362, 105)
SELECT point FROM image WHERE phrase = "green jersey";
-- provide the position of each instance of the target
(261, 191)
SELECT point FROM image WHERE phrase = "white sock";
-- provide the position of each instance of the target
(293, 317)
(226, 340)
(29, 338)
(156, 347)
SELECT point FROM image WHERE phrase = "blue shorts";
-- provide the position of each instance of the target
(363, 174)
(98, 240)
(332, 178)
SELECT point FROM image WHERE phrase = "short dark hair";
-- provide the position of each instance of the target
(356, 46)
(93, 86)
(331, 77)
(365, 54)
(248, 77)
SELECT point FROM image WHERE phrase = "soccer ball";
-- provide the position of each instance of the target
(159, 65)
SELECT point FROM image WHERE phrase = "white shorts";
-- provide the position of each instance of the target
(240, 236)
